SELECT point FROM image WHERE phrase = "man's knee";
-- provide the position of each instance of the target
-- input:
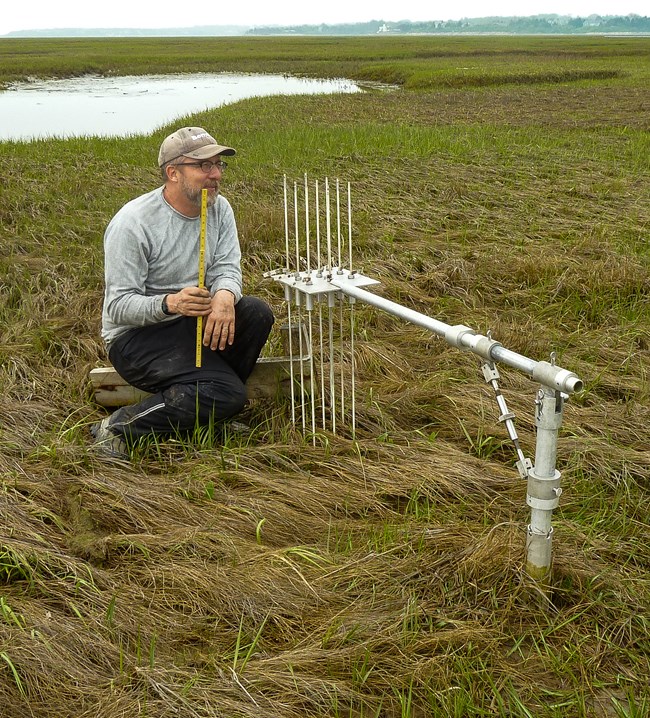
(221, 402)
(207, 399)
(255, 311)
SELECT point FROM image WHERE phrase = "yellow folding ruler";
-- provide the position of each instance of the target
(199, 320)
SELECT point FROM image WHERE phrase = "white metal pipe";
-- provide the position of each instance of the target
(287, 296)
(298, 301)
(322, 363)
(319, 273)
(310, 308)
(295, 221)
(330, 303)
(319, 264)
(307, 226)
(544, 491)
(465, 338)
(301, 361)
(350, 231)
(338, 228)
(328, 228)
(341, 357)
(353, 406)
(286, 224)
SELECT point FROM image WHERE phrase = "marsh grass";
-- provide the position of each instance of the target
(381, 576)
(415, 62)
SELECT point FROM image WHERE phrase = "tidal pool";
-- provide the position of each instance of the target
(131, 105)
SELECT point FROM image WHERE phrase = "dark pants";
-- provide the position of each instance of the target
(161, 359)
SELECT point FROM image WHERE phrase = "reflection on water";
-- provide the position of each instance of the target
(120, 106)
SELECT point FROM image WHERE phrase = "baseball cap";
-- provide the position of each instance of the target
(192, 142)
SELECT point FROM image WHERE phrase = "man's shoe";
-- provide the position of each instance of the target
(107, 443)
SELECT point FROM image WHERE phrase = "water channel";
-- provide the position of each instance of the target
(131, 105)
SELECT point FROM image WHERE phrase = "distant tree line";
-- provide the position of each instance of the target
(533, 25)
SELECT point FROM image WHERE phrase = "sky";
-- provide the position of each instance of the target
(50, 14)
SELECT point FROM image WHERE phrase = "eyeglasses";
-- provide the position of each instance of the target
(206, 166)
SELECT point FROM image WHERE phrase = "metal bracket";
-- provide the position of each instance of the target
(491, 374)
(524, 467)
(543, 491)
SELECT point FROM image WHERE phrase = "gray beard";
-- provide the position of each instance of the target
(194, 196)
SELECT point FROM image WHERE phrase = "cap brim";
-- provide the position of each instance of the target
(207, 151)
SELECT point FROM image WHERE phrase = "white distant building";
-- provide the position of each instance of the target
(383, 28)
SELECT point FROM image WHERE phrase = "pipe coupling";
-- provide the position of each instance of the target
(454, 335)
(543, 491)
(466, 338)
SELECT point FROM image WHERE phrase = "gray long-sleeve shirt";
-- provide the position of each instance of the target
(151, 250)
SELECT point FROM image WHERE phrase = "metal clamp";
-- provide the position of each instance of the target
(543, 491)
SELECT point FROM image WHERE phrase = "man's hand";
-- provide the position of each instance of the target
(219, 329)
(190, 301)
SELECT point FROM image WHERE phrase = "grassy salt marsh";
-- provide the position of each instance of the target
(382, 576)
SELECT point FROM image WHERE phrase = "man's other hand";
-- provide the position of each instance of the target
(220, 325)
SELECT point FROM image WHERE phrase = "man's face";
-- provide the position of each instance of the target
(193, 178)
